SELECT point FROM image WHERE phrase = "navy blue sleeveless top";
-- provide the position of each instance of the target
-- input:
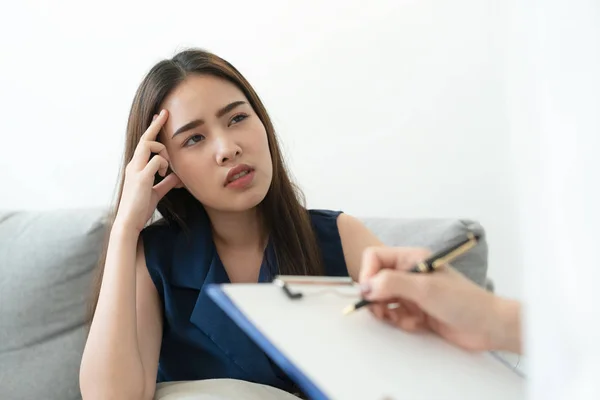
(199, 340)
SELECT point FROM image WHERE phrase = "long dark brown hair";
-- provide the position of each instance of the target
(283, 210)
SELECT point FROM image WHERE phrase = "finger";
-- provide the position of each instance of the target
(156, 164)
(143, 151)
(410, 323)
(378, 310)
(378, 258)
(413, 324)
(164, 186)
(155, 126)
(404, 318)
(413, 309)
(412, 257)
(421, 327)
(390, 284)
(394, 314)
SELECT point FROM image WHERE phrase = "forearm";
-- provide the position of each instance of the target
(111, 359)
(507, 332)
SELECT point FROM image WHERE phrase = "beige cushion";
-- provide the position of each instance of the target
(219, 389)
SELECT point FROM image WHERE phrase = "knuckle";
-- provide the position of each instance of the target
(420, 252)
(425, 252)
(386, 280)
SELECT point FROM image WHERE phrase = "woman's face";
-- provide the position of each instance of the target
(216, 143)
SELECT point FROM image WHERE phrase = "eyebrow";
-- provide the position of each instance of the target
(197, 122)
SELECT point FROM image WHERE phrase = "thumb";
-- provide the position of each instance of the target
(390, 284)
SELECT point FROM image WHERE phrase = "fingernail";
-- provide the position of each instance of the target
(162, 112)
(365, 288)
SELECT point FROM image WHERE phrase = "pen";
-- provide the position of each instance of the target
(432, 263)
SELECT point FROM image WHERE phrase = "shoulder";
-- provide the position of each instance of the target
(341, 223)
(349, 225)
(355, 236)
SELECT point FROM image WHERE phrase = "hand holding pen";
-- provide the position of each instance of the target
(440, 300)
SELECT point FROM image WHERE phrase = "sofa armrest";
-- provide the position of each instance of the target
(436, 234)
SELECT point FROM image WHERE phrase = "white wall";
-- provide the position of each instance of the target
(553, 92)
(394, 109)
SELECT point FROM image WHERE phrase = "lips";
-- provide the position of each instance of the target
(238, 172)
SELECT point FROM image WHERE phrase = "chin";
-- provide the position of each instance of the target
(239, 202)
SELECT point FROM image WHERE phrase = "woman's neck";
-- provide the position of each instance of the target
(238, 229)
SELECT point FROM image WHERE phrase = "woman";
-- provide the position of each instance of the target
(201, 149)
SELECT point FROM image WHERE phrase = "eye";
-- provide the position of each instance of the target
(193, 140)
(237, 119)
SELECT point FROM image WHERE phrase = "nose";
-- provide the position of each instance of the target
(227, 150)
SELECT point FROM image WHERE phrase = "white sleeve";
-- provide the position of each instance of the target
(553, 77)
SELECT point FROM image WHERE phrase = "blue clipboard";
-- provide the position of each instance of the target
(217, 294)
(329, 355)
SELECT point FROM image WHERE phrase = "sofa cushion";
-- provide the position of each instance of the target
(46, 263)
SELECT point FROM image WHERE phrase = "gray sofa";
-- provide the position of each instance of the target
(46, 266)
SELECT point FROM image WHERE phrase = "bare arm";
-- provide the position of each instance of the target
(117, 362)
(149, 323)
(355, 239)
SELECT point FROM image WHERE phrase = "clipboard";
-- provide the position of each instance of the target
(298, 323)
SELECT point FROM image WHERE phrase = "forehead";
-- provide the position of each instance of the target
(198, 97)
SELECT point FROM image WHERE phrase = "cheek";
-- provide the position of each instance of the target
(255, 144)
(194, 170)
(265, 156)
(261, 144)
